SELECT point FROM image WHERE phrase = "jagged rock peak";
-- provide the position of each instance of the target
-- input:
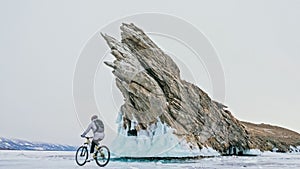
(153, 90)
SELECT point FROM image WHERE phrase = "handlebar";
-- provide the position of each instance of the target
(86, 137)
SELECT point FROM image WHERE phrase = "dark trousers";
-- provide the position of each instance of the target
(94, 143)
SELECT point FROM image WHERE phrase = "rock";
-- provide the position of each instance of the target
(267, 137)
(153, 90)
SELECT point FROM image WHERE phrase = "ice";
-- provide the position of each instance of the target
(65, 160)
(38, 148)
(157, 140)
(294, 149)
(252, 152)
(275, 149)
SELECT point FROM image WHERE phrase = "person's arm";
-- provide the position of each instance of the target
(87, 130)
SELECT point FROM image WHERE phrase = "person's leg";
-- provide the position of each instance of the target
(97, 138)
(94, 143)
(92, 156)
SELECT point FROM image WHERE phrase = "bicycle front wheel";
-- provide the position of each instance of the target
(81, 155)
(102, 156)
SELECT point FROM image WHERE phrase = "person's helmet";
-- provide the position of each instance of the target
(94, 117)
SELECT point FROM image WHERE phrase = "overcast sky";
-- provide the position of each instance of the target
(257, 43)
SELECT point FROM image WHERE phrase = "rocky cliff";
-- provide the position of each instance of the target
(153, 91)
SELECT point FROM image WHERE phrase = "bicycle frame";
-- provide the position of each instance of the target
(87, 144)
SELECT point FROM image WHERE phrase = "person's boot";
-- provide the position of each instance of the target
(91, 157)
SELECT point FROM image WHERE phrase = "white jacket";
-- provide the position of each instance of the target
(98, 136)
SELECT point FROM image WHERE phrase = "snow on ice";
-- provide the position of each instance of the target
(65, 160)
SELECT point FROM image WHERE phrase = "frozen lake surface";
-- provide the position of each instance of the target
(64, 160)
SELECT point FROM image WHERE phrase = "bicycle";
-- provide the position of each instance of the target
(101, 155)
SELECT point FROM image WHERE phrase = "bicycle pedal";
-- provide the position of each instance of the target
(89, 160)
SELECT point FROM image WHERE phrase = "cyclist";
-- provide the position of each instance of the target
(97, 127)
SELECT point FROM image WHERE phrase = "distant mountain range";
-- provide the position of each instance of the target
(17, 144)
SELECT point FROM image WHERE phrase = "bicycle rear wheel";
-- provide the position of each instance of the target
(81, 155)
(102, 156)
